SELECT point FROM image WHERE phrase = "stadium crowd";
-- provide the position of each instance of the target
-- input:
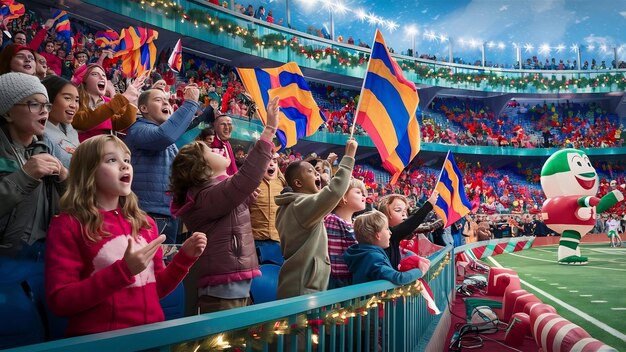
(94, 182)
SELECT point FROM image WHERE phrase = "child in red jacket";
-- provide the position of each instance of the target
(104, 264)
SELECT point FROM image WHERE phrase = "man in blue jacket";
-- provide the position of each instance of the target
(151, 142)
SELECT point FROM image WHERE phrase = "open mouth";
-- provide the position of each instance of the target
(271, 171)
(318, 183)
(125, 178)
(102, 85)
(28, 67)
(586, 184)
(42, 121)
(166, 111)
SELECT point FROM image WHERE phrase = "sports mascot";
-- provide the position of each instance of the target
(570, 184)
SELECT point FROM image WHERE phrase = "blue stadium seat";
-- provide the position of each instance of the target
(173, 305)
(270, 254)
(21, 322)
(264, 287)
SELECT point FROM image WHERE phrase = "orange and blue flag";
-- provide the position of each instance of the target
(137, 50)
(299, 114)
(11, 10)
(175, 61)
(107, 38)
(452, 203)
(387, 110)
(62, 27)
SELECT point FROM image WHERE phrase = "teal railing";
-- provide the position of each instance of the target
(370, 316)
(228, 29)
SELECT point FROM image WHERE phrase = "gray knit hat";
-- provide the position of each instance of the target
(15, 86)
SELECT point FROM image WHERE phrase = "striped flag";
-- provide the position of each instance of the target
(387, 110)
(137, 50)
(299, 114)
(107, 38)
(62, 27)
(11, 10)
(176, 59)
(452, 203)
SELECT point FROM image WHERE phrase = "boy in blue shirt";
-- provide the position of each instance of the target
(367, 259)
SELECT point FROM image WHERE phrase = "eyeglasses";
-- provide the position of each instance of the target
(25, 57)
(37, 107)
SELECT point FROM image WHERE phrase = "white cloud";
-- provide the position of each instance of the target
(504, 8)
(623, 13)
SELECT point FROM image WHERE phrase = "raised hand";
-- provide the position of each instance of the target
(433, 197)
(192, 92)
(272, 113)
(132, 94)
(351, 146)
(138, 260)
(194, 245)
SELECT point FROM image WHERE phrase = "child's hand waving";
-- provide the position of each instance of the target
(138, 260)
(351, 146)
(194, 245)
(271, 124)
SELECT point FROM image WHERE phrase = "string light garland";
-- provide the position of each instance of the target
(267, 333)
(336, 58)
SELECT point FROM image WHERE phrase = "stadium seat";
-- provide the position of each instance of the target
(173, 305)
(264, 287)
(500, 279)
(270, 254)
(519, 327)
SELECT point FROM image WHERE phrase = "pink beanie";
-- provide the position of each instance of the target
(79, 74)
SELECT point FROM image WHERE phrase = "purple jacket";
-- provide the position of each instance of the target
(219, 208)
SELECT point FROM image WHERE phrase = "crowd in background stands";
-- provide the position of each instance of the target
(448, 120)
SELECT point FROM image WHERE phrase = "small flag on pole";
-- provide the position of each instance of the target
(452, 203)
(176, 59)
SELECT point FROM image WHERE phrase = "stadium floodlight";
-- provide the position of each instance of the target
(560, 48)
(412, 31)
(528, 47)
(360, 14)
(544, 49)
(501, 45)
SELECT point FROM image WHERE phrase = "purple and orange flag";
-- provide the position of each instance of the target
(452, 203)
(299, 114)
(387, 110)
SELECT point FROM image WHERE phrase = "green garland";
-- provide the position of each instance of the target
(332, 57)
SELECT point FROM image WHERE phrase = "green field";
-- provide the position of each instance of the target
(596, 292)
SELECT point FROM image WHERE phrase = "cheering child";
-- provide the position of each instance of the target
(104, 264)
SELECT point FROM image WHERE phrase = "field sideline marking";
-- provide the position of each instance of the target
(553, 261)
(571, 308)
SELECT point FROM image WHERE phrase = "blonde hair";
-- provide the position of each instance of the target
(385, 202)
(367, 225)
(189, 169)
(80, 198)
(354, 183)
(83, 97)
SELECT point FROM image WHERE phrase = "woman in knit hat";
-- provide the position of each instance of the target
(17, 58)
(59, 134)
(31, 178)
(97, 113)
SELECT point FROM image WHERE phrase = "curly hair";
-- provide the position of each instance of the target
(189, 169)
(80, 198)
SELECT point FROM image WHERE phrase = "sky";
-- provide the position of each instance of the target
(542, 28)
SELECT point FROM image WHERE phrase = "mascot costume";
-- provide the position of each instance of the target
(570, 184)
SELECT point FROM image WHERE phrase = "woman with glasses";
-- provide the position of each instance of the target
(17, 58)
(30, 177)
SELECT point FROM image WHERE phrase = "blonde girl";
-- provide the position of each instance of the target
(104, 264)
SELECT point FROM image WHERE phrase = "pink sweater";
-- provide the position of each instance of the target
(90, 283)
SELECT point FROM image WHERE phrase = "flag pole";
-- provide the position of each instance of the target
(363, 86)
(441, 172)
